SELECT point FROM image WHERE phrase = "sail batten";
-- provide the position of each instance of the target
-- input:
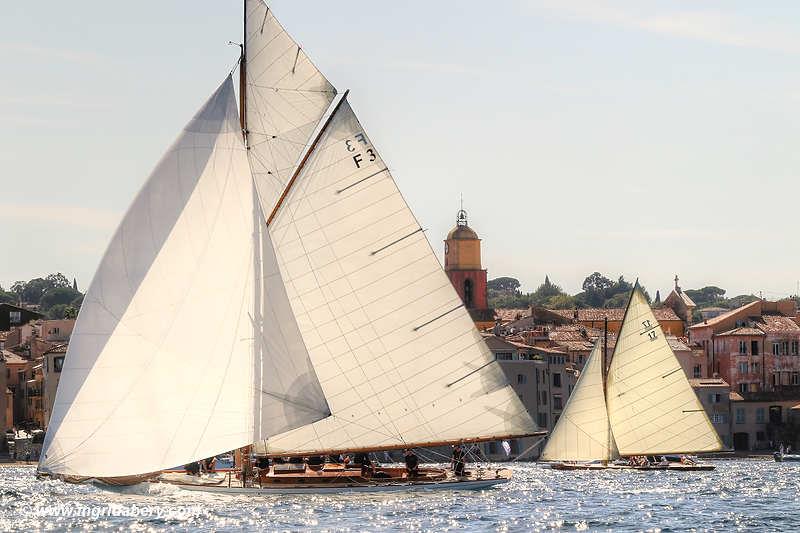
(652, 407)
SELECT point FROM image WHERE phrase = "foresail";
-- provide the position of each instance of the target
(185, 345)
(286, 98)
(398, 357)
(159, 370)
(652, 407)
(582, 432)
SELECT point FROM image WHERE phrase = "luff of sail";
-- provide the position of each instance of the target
(160, 367)
(397, 354)
(583, 431)
(652, 408)
(286, 98)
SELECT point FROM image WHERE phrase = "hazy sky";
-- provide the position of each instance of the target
(636, 138)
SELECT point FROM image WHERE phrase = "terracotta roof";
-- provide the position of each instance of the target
(725, 316)
(549, 349)
(577, 346)
(735, 396)
(677, 344)
(598, 314)
(567, 335)
(507, 315)
(708, 382)
(58, 348)
(12, 358)
(497, 343)
(741, 331)
(777, 324)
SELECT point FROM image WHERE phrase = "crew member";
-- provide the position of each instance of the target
(412, 463)
(458, 460)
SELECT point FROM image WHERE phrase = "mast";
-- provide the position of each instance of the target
(243, 75)
(604, 371)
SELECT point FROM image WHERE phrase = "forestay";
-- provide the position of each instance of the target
(398, 356)
(286, 98)
(652, 408)
(160, 367)
(583, 432)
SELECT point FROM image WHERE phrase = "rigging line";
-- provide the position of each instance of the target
(672, 372)
(471, 373)
(529, 448)
(395, 242)
(362, 180)
(298, 90)
(438, 317)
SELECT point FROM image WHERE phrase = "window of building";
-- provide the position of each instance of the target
(544, 397)
(743, 388)
(795, 378)
(556, 379)
(743, 367)
(541, 420)
(522, 379)
(54, 331)
(718, 418)
(760, 415)
(776, 348)
(504, 356)
(557, 402)
(15, 317)
(755, 367)
(537, 375)
(743, 347)
(795, 348)
(714, 398)
(740, 415)
(785, 348)
(754, 347)
(468, 293)
(696, 371)
(58, 363)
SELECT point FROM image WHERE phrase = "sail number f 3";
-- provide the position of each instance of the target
(352, 146)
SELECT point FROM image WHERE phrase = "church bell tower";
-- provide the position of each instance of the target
(462, 262)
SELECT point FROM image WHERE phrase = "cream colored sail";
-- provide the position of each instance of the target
(397, 354)
(652, 408)
(286, 98)
(583, 431)
(161, 365)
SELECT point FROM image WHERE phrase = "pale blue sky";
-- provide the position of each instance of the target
(636, 138)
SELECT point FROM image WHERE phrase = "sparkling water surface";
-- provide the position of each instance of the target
(747, 495)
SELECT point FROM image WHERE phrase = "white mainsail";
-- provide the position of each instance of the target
(398, 357)
(652, 408)
(583, 432)
(160, 367)
(286, 98)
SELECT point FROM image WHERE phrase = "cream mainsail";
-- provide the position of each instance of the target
(648, 407)
(652, 408)
(207, 328)
(396, 352)
(583, 431)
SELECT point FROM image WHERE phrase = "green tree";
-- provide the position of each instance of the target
(57, 296)
(504, 284)
(545, 292)
(57, 281)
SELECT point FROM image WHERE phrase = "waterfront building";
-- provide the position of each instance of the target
(714, 395)
(755, 348)
(462, 263)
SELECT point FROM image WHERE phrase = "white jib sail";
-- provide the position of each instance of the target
(286, 98)
(652, 408)
(583, 433)
(398, 357)
(160, 367)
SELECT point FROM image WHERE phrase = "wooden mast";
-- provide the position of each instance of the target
(605, 381)
(243, 76)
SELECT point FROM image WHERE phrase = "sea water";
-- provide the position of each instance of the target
(747, 495)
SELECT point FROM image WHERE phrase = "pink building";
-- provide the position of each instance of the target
(755, 348)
